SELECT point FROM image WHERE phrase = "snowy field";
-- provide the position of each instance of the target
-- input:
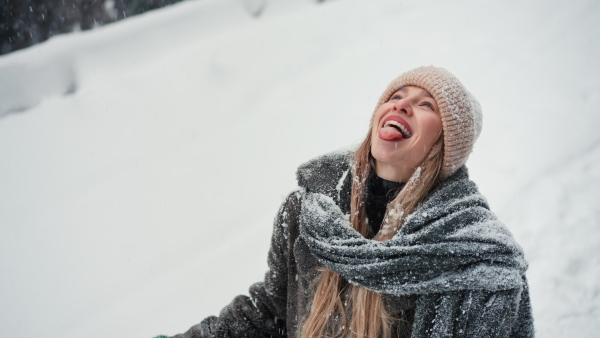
(142, 163)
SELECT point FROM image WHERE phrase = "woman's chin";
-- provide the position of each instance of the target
(387, 150)
(387, 158)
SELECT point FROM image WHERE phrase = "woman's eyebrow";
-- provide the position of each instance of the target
(426, 94)
(401, 89)
(423, 93)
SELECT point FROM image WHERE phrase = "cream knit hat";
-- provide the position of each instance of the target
(460, 111)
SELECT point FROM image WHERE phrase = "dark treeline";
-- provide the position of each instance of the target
(27, 22)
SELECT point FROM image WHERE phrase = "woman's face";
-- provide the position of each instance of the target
(403, 132)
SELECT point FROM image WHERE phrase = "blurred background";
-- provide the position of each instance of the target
(145, 146)
(27, 22)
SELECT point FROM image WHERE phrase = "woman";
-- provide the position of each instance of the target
(392, 239)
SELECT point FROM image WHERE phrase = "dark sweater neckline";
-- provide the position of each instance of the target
(383, 187)
(378, 194)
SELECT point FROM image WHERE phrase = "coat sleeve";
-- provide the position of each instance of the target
(475, 313)
(263, 312)
(523, 324)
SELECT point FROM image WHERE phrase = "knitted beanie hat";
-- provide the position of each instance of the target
(459, 110)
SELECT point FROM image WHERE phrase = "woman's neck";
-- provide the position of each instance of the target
(394, 173)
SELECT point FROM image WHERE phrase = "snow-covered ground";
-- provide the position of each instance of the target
(142, 163)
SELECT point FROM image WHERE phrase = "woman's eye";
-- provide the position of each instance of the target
(396, 97)
(428, 105)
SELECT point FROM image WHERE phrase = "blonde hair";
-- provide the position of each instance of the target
(364, 313)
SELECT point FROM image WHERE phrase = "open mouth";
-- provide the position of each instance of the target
(399, 127)
(395, 128)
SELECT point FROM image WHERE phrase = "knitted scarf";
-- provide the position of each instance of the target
(452, 252)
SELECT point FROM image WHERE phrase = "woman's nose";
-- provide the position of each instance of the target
(403, 107)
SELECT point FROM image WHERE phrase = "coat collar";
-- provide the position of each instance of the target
(330, 175)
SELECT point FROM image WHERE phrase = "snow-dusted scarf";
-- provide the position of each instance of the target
(452, 252)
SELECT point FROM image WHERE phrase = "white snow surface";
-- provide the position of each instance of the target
(143, 162)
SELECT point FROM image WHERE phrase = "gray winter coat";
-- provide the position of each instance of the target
(452, 261)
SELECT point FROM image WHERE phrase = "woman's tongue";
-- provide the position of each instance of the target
(389, 133)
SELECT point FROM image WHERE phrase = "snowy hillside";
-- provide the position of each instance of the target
(143, 162)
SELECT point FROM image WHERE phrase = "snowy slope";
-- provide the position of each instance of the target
(143, 162)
